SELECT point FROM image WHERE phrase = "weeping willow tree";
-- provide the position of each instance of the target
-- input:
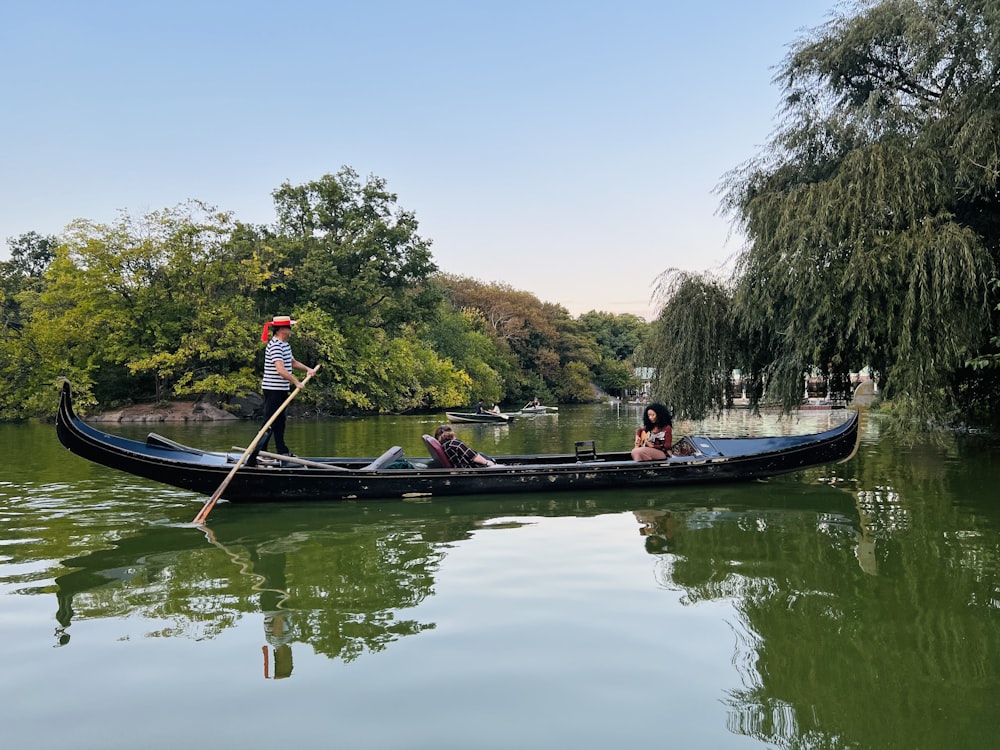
(872, 216)
(692, 344)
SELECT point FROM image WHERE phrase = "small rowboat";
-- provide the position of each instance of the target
(710, 459)
(484, 417)
(539, 409)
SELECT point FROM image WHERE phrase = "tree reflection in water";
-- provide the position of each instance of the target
(828, 587)
(338, 587)
(338, 578)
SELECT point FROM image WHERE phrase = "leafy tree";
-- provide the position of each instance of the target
(541, 338)
(346, 247)
(400, 374)
(343, 247)
(575, 384)
(30, 256)
(208, 281)
(170, 304)
(574, 342)
(872, 215)
(156, 296)
(990, 359)
(618, 336)
(508, 314)
(21, 280)
(459, 337)
(616, 377)
(61, 338)
(693, 344)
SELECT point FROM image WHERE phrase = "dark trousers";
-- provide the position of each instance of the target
(272, 401)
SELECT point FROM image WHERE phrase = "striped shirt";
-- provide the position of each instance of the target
(276, 349)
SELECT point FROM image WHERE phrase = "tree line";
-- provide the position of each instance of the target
(872, 226)
(171, 304)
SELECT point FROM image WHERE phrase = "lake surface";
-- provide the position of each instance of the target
(853, 606)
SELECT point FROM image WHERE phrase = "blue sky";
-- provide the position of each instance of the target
(570, 149)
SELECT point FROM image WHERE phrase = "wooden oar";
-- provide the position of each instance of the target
(298, 461)
(207, 507)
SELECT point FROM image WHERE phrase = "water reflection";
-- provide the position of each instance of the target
(266, 573)
(278, 632)
(828, 581)
(343, 578)
(863, 600)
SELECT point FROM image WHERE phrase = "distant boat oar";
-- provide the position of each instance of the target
(207, 507)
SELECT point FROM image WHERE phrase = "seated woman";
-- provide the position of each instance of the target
(460, 455)
(652, 440)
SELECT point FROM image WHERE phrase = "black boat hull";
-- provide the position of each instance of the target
(718, 460)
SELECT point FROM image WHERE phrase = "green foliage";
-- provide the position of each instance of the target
(61, 337)
(460, 338)
(618, 339)
(346, 247)
(693, 345)
(373, 371)
(171, 304)
(168, 298)
(540, 341)
(872, 214)
(616, 377)
(21, 280)
(618, 336)
(989, 359)
(575, 384)
(403, 375)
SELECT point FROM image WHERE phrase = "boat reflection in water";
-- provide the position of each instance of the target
(339, 580)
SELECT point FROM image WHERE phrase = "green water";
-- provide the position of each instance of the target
(850, 606)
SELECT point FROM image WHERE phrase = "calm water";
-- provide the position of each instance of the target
(855, 606)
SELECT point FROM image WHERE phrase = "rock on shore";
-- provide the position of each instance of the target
(173, 411)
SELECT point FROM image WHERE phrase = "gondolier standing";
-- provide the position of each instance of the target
(277, 381)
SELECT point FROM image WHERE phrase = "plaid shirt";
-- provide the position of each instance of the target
(460, 455)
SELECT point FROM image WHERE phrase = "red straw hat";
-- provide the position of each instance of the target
(279, 321)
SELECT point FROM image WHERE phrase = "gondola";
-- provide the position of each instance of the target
(393, 475)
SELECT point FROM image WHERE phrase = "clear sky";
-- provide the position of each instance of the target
(566, 147)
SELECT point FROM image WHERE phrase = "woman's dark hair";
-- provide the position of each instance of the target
(663, 418)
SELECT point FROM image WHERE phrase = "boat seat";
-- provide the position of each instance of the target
(683, 448)
(437, 453)
(586, 450)
(704, 447)
(395, 453)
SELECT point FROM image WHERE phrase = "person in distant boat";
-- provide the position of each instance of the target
(480, 407)
(532, 403)
(495, 409)
(460, 455)
(653, 439)
(277, 381)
